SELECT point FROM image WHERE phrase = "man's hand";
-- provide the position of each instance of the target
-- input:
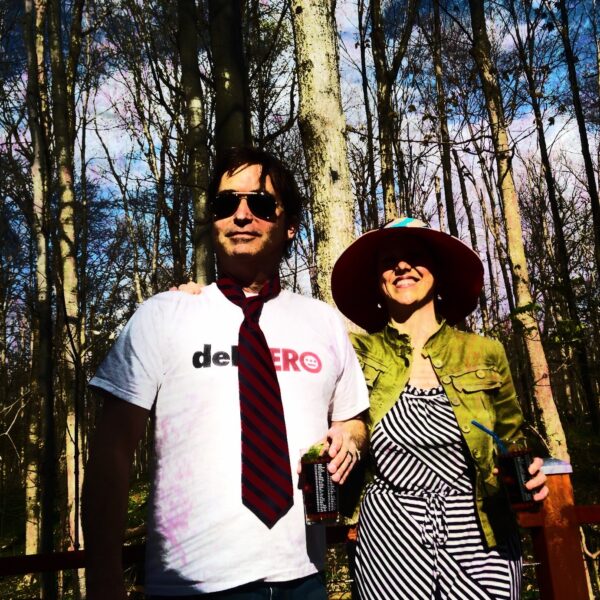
(345, 443)
(191, 287)
(347, 440)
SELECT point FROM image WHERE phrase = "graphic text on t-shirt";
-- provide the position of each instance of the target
(284, 359)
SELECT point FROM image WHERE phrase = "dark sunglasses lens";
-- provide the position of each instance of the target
(262, 205)
(224, 205)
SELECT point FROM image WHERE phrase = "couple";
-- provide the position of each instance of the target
(244, 376)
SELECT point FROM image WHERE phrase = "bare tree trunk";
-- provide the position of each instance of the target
(42, 392)
(385, 76)
(472, 233)
(232, 115)
(554, 432)
(439, 203)
(372, 212)
(68, 289)
(322, 127)
(196, 142)
(444, 135)
(562, 25)
(526, 54)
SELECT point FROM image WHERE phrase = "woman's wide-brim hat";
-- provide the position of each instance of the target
(458, 273)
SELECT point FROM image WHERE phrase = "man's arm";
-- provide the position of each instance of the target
(105, 495)
(347, 440)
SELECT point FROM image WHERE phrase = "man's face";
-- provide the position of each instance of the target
(243, 236)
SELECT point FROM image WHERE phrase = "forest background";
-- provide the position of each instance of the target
(481, 118)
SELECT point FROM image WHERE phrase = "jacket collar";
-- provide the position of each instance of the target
(400, 342)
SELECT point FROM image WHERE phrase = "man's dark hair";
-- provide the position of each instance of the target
(282, 179)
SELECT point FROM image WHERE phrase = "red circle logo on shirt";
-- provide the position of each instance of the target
(310, 362)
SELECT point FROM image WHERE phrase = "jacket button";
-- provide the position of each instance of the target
(455, 402)
(446, 379)
(480, 374)
(438, 363)
(465, 428)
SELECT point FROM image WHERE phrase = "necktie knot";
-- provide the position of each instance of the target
(252, 308)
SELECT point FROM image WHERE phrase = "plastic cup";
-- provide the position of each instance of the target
(320, 492)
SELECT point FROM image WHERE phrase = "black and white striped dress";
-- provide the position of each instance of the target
(418, 535)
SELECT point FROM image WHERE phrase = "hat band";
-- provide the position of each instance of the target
(403, 222)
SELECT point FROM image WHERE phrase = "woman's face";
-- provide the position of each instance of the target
(405, 276)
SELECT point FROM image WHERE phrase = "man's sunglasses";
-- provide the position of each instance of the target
(262, 204)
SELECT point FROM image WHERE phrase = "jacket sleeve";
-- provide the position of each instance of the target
(509, 416)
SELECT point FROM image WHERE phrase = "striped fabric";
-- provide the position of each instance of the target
(418, 536)
(266, 474)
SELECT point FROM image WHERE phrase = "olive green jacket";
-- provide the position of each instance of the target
(475, 375)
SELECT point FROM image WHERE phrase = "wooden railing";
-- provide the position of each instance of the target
(555, 532)
(554, 529)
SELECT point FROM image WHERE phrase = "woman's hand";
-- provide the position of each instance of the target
(538, 480)
(191, 287)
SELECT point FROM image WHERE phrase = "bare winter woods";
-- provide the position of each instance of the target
(481, 118)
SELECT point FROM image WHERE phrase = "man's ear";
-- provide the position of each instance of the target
(292, 229)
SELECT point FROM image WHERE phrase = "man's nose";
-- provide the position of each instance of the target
(243, 212)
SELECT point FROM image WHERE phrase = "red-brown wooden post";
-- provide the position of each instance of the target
(556, 538)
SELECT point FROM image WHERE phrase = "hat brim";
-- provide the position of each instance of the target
(458, 274)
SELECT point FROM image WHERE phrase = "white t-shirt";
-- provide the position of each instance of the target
(176, 354)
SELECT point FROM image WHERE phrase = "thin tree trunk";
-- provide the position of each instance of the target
(372, 212)
(385, 76)
(196, 142)
(439, 203)
(232, 114)
(42, 392)
(472, 233)
(554, 432)
(582, 364)
(563, 28)
(322, 127)
(444, 135)
(68, 288)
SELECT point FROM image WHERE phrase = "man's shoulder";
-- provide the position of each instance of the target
(167, 306)
(168, 299)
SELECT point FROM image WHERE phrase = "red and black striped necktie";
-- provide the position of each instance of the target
(266, 474)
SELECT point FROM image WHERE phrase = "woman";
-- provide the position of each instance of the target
(434, 522)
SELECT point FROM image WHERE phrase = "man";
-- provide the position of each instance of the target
(240, 379)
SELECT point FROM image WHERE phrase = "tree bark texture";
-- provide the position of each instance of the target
(322, 127)
(563, 28)
(232, 114)
(444, 135)
(526, 53)
(68, 288)
(196, 142)
(40, 503)
(385, 76)
(524, 314)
